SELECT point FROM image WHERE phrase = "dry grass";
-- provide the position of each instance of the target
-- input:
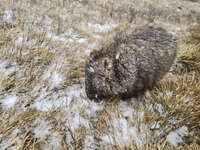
(43, 47)
(190, 49)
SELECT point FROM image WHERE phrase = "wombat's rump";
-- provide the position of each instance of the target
(131, 63)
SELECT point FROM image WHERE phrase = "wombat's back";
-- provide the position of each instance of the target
(133, 61)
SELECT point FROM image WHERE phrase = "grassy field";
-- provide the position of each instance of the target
(43, 105)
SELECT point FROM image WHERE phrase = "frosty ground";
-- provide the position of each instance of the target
(43, 105)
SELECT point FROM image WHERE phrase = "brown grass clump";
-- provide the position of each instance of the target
(190, 49)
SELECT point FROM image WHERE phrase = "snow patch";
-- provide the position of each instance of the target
(77, 107)
(101, 28)
(9, 101)
(8, 15)
(49, 104)
(54, 141)
(92, 108)
(7, 67)
(138, 137)
(73, 93)
(155, 125)
(42, 129)
(108, 139)
(57, 79)
(77, 121)
(46, 102)
(175, 137)
(89, 143)
(123, 134)
(76, 110)
(46, 75)
(47, 19)
(19, 40)
(68, 36)
(126, 110)
(127, 127)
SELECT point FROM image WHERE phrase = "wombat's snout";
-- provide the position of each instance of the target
(97, 79)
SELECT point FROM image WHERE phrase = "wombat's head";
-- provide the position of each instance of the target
(98, 75)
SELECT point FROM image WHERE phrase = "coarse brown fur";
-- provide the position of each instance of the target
(130, 63)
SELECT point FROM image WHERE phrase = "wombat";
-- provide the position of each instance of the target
(133, 61)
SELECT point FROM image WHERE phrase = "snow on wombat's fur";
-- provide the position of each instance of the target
(133, 61)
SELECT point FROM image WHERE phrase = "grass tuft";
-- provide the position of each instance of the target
(190, 49)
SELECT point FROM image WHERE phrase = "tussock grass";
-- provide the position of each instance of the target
(190, 49)
(180, 100)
